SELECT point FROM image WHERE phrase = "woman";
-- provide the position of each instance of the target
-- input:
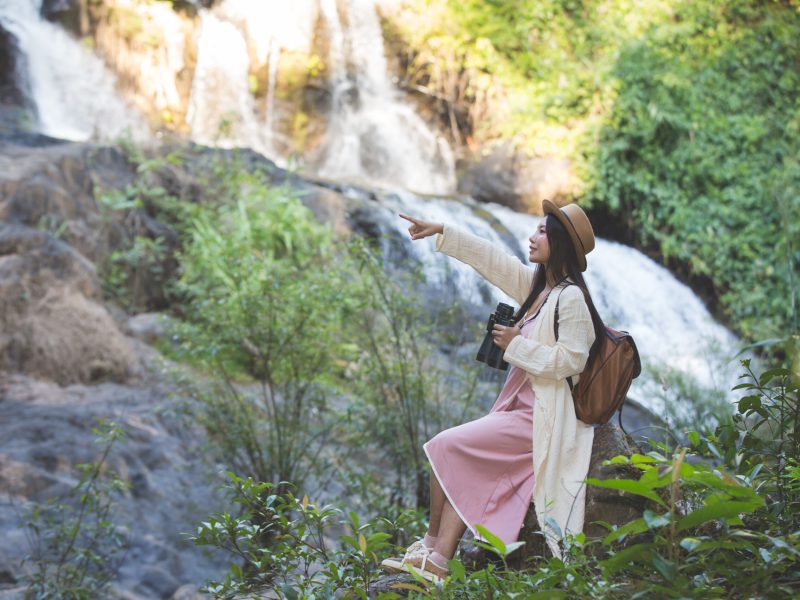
(530, 446)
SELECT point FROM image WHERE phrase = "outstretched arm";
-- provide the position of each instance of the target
(500, 269)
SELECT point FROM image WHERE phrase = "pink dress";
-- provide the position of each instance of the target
(485, 467)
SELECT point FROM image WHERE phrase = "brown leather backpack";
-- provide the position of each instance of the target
(605, 381)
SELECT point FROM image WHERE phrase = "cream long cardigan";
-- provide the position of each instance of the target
(562, 445)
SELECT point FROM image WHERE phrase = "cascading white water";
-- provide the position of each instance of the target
(372, 135)
(273, 62)
(675, 334)
(268, 28)
(74, 94)
(221, 110)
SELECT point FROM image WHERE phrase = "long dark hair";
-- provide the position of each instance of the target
(563, 263)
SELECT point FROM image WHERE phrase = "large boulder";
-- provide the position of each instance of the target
(506, 176)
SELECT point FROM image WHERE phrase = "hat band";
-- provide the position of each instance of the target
(574, 229)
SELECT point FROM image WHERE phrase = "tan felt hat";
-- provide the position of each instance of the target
(577, 225)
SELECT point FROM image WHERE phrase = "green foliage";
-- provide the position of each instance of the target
(761, 442)
(135, 274)
(76, 548)
(681, 117)
(700, 152)
(282, 544)
(265, 302)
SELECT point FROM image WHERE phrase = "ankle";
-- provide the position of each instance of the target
(430, 541)
(439, 560)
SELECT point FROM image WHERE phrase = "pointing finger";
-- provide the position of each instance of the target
(407, 218)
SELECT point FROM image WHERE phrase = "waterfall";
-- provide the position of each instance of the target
(686, 355)
(221, 110)
(268, 29)
(273, 62)
(373, 136)
(73, 93)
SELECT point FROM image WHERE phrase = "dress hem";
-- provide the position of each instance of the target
(449, 499)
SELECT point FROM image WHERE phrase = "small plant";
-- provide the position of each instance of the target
(280, 543)
(76, 548)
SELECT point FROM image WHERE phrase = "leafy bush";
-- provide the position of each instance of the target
(265, 305)
(699, 153)
(137, 273)
(299, 562)
(76, 548)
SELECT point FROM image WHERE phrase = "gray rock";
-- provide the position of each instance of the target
(46, 432)
(508, 177)
(149, 327)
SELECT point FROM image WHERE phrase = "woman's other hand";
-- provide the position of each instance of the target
(503, 335)
(421, 229)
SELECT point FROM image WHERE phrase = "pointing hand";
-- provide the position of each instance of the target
(421, 229)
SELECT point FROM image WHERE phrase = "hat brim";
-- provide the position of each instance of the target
(550, 208)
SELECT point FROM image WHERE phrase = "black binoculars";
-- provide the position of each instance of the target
(489, 352)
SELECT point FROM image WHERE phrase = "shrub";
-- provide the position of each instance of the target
(265, 304)
(76, 549)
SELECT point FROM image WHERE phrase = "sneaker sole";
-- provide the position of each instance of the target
(391, 565)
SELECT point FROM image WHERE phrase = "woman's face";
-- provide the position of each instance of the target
(539, 245)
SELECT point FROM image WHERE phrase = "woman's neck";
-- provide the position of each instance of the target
(551, 281)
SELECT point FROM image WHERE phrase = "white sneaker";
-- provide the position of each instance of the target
(415, 552)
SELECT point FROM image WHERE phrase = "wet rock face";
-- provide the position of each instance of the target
(510, 178)
(11, 88)
(16, 107)
(47, 430)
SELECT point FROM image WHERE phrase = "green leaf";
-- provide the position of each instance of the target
(632, 527)
(457, 570)
(770, 374)
(664, 566)
(638, 553)
(628, 485)
(496, 543)
(720, 510)
(690, 543)
(654, 521)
